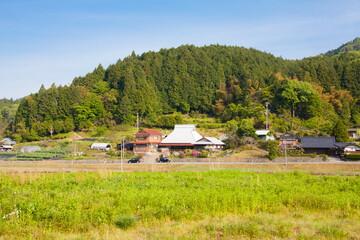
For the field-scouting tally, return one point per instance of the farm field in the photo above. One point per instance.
(168, 202)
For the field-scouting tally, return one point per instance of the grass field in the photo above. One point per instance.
(177, 204)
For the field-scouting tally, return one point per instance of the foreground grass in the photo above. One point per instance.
(179, 205)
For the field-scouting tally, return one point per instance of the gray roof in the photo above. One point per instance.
(183, 134)
(318, 142)
(209, 141)
(323, 142)
(345, 144)
(288, 135)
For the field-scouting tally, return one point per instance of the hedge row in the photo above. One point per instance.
(352, 156)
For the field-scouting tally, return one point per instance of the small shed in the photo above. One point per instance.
(29, 149)
(5, 148)
(101, 146)
(264, 135)
(354, 132)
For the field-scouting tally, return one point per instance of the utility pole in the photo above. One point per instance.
(285, 155)
(74, 151)
(266, 113)
(137, 122)
(122, 154)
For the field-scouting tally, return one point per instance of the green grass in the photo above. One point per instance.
(230, 203)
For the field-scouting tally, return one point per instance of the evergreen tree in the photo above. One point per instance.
(340, 132)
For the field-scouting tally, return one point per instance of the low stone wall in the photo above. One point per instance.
(299, 159)
(248, 160)
(177, 160)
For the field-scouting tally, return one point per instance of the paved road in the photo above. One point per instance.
(246, 163)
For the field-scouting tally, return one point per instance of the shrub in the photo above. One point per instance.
(352, 156)
(182, 155)
(272, 156)
(204, 154)
(125, 222)
(188, 152)
(324, 156)
(195, 153)
(273, 148)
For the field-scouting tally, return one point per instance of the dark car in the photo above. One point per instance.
(134, 160)
(164, 159)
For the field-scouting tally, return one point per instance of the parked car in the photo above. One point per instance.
(134, 160)
(164, 159)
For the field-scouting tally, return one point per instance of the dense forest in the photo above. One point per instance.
(8, 109)
(232, 84)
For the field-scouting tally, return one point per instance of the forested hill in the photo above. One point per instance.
(224, 81)
(353, 45)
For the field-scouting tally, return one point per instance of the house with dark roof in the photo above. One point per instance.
(147, 140)
(319, 145)
(326, 145)
(289, 140)
(348, 148)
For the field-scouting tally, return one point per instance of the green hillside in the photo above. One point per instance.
(226, 82)
(353, 45)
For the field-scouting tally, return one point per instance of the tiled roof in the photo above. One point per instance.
(318, 142)
(344, 144)
(209, 141)
(288, 135)
(149, 132)
(184, 134)
(145, 142)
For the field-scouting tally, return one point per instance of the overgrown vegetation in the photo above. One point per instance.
(233, 204)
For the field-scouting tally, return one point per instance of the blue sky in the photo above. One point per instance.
(45, 42)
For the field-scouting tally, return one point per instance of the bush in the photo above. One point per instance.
(352, 157)
(324, 156)
(188, 152)
(195, 153)
(272, 156)
(125, 222)
(273, 148)
(204, 154)
(182, 155)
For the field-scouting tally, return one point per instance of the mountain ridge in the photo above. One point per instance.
(353, 45)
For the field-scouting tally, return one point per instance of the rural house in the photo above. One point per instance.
(289, 140)
(326, 145)
(186, 137)
(147, 140)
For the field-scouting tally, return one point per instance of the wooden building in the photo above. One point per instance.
(327, 145)
(147, 140)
